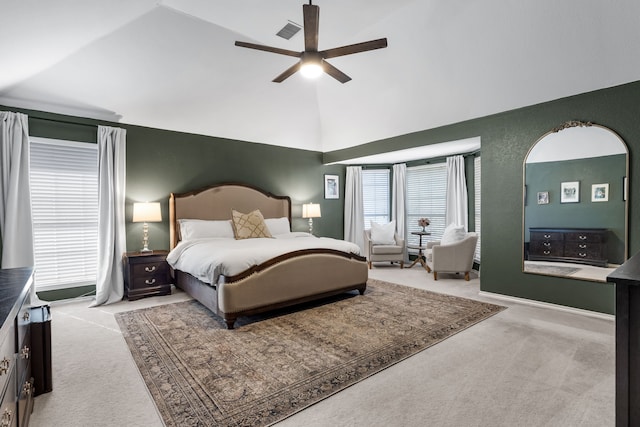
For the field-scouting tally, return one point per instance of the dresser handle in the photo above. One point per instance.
(547, 244)
(4, 366)
(581, 237)
(27, 388)
(582, 246)
(547, 236)
(25, 316)
(546, 252)
(24, 353)
(150, 281)
(7, 416)
(150, 269)
(582, 254)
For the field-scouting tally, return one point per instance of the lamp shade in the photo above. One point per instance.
(147, 212)
(311, 210)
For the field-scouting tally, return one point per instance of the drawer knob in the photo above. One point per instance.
(150, 281)
(546, 252)
(581, 254)
(25, 316)
(7, 416)
(582, 237)
(582, 246)
(547, 236)
(5, 364)
(24, 353)
(27, 388)
(150, 269)
(547, 244)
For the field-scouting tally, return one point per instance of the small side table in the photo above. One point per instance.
(421, 258)
(146, 274)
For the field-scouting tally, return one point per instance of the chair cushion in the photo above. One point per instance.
(383, 234)
(452, 234)
(386, 249)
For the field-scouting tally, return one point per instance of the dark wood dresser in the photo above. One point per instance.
(16, 381)
(146, 274)
(578, 245)
(627, 281)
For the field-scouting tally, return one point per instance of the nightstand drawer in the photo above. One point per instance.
(146, 274)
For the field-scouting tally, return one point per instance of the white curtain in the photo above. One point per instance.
(398, 199)
(456, 210)
(111, 225)
(353, 207)
(16, 225)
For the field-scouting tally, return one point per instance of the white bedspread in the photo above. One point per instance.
(207, 259)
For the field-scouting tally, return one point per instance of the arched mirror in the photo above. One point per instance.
(575, 203)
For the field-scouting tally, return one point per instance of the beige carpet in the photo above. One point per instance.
(201, 374)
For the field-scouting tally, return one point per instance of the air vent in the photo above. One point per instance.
(289, 30)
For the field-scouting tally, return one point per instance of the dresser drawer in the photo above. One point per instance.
(585, 237)
(546, 248)
(546, 236)
(583, 250)
(8, 407)
(8, 361)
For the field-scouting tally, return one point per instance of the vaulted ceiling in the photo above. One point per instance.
(172, 64)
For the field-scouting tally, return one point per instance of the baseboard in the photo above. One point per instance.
(558, 307)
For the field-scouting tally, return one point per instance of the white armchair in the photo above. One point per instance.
(453, 258)
(377, 253)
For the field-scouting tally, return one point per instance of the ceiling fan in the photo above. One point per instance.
(312, 63)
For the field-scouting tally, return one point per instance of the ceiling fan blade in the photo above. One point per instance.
(269, 49)
(335, 73)
(354, 48)
(311, 15)
(288, 72)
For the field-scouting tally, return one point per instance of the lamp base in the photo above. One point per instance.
(146, 251)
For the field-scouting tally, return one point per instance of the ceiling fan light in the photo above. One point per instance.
(311, 70)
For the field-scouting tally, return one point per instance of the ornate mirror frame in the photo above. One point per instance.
(575, 202)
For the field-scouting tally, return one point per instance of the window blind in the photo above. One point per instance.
(64, 197)
(426, 198)
(375, 196)
(476, 173)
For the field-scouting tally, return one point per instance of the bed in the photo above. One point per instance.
(302, 273)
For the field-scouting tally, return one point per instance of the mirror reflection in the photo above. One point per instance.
(575, 203)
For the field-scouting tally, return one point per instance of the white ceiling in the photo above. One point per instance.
(172, 64)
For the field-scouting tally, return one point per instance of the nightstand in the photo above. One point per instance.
(146, 274)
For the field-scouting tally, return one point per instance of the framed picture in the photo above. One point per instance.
(600, 193)
(570, 192)
(543, 197)
(331, 187)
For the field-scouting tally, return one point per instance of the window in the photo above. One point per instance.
(375, 196)
(476, 207)
(426, 198)
(64, 192)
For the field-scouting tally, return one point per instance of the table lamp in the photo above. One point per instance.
(311, 210)
(146, 212)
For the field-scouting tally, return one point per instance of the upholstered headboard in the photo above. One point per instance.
(215, 203)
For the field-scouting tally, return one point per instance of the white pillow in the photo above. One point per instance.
(383, 234)
(278, 225)
(452, 234)
(198, 228)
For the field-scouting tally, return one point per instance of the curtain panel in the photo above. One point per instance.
(398, 200)
(353, 207)
(111, 224)
(16, 225)
(456, 210)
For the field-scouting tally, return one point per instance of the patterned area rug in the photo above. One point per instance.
(201, 374)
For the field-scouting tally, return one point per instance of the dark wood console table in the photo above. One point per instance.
(627, 281)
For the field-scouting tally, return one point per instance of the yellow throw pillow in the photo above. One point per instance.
(249, 226)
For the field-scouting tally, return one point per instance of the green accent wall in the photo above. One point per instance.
(159, 162)
(547, 176)
(506, 139)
